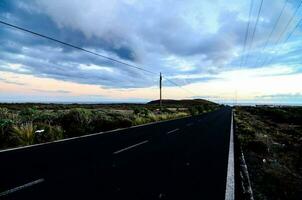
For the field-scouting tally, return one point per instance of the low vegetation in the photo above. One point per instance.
(26, 124)
(271, 139)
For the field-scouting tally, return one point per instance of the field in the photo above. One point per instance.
(271, 139)
(27, 124)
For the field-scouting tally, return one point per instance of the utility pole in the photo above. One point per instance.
(236, 98)
(160, 96)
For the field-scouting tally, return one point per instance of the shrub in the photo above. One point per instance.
(141, 111)
(152, 117)
(166, 110)
(28, 114)
(48, 133)
(47, 117)
(140, 120)
(4, 113)
(5, 126)
(102, 122)
(76, 122)
(136, 110)
(122, 122)
(193, 111)
(108, 121)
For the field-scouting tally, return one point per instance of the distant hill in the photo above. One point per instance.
(183, 102)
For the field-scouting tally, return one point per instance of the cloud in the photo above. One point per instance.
(12, 82)
(52, 91)
(147, 26)
(281, 98)
(190, 42)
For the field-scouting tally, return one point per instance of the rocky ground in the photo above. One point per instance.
(271, 139)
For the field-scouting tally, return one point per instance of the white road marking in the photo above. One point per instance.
(21, 187)
(173, 131)
(189, 124)
(130, 147)
(230, 183)
(161, 195)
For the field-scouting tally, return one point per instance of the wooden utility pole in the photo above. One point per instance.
(160, 85)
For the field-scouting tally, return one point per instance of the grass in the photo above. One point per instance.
(138, 120)
(24, 133)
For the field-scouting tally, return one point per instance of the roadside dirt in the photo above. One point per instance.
(271, 139)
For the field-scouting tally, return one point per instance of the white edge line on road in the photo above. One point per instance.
(230, 183)
(130, 147)
(172, 131)
(21, 187)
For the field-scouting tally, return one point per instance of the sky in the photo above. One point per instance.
(202, 46)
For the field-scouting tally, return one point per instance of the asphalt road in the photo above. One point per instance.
(178, 159)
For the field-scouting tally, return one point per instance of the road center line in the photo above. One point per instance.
(7, 192)
(172, 131)
(130, 147)
(189, 124)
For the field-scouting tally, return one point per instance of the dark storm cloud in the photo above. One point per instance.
(43, 58)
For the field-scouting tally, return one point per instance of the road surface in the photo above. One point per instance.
(178, 159)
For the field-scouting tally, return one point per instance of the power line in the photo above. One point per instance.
(255, 28)
(247, 31)
(282, 33)
(291, 33)
(287, 38)
(289, 22)
(256, 24)
(90, 52)
(273, 29)
(76, 47)
(172, 82)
